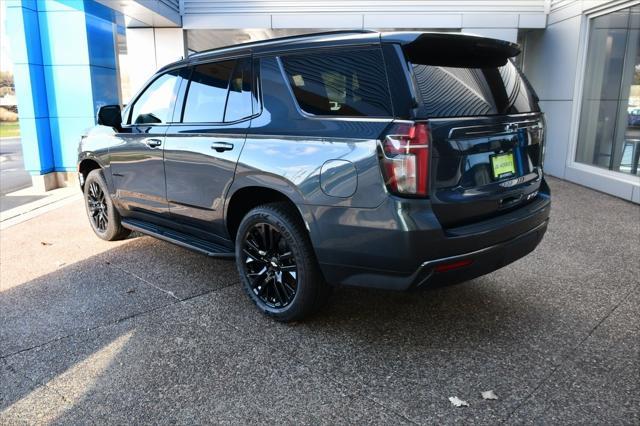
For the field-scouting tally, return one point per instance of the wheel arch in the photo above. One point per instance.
(86, 166)
(247, 197)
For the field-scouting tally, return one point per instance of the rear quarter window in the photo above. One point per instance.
(463, 92)
(349, 83)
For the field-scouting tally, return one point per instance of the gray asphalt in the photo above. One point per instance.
(13, 177)
(145, 332)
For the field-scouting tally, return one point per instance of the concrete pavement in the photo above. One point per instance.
(144, 331)
(13, 177)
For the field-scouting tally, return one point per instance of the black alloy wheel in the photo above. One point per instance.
(277, 264)
(103, 216)
(97, 206)
(270, 265)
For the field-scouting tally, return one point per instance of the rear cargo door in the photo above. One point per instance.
(486, 129)
(482, 167)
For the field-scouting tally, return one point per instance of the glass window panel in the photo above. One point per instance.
(155, 105)
(609, 133)
(340, 83)
(207, 93)
(239, 101)
(460, 92)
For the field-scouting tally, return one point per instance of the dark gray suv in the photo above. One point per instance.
(387, 160)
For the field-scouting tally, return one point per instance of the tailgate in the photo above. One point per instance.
(483, 166)
(486, 128)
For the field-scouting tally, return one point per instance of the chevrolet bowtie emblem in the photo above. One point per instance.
(511, 127)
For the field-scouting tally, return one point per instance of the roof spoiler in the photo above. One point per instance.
(454, 49)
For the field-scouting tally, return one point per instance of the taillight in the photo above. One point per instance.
(404, 158)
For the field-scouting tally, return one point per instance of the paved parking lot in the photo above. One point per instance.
(144, 331)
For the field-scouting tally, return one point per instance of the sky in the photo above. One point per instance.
(5, 55)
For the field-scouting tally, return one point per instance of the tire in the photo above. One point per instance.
(103, 216)
(287, 262)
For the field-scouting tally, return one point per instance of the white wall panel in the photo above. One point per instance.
(196, 22)
(431, 14)
(509, 34)
(538, 20)
(398, 20)
(609, 184)
(359, 6)
(635, 197)
(316, 20)
(170, 45)
(566, 10)
(489, 20)
(558, 117)
(149, 49)
(551, 58)
(141, 56)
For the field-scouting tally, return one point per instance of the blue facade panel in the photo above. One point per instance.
(64, 38)
(60, 5)
(69, 90)
(25, 45)
(22, 20)
(104, 82)
(30, 87)
(65, 135)
(35, 135)
(66, 67)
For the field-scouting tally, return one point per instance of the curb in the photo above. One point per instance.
(36, 208)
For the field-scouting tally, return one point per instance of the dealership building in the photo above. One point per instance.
(582, 57)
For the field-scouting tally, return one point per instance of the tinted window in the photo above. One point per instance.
(155, 105)
(207, 93)
(340, 83)
(239, 99)
(458, 92)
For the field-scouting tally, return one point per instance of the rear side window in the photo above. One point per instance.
(219, 91)
(207, 93)
(239, 99)
(462, 92)
(349, 83)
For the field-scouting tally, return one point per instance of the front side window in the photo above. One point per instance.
(155, 105)
(207, 93)
(340, 83)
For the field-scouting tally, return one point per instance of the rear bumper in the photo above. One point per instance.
(477, 263)
(401, 245)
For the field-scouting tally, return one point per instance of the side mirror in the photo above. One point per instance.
(110, 115)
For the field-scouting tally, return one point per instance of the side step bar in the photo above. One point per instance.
(178, 238)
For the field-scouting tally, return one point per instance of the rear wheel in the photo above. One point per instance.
(277, 265)
(103, 217)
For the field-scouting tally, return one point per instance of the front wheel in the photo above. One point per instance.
(103, 216)
(277, 265)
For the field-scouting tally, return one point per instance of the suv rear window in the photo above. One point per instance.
(462, 92)
(340, 83)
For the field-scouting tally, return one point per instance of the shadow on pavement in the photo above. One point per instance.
(115, 340)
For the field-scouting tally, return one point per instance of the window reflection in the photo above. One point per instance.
(155, 105)
(207, 93)
(609, 133)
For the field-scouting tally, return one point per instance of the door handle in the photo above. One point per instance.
(152, 142)
(222, 146)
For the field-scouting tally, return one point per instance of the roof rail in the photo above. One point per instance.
(278, 39)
